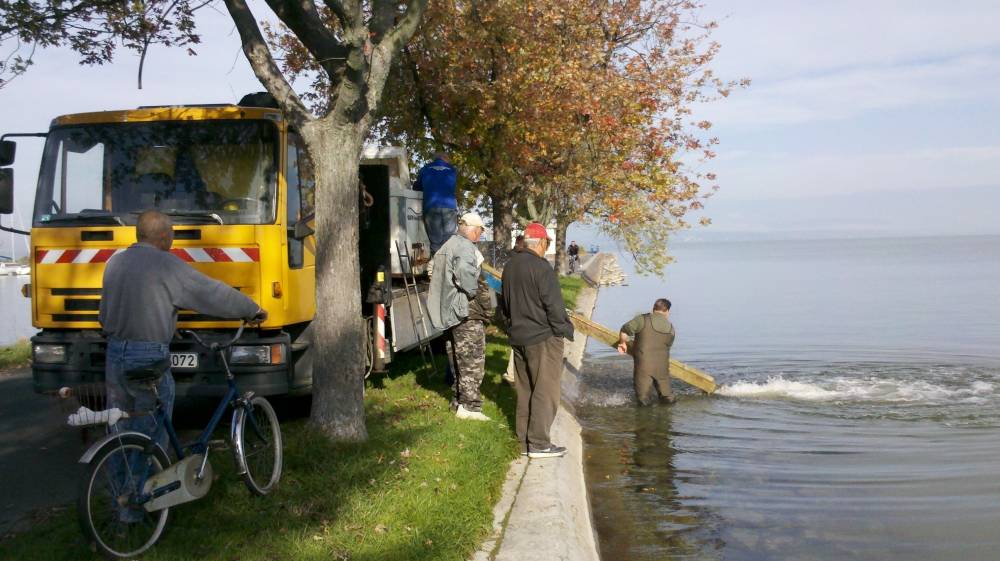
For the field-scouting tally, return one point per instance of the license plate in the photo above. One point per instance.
(184, 360)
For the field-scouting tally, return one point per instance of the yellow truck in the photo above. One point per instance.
(239, 187)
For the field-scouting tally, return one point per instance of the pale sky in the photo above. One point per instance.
(863, 117)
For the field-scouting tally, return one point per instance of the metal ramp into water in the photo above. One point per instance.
(687, 374)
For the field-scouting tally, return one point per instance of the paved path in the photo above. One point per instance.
(38, 453)
(544, 513)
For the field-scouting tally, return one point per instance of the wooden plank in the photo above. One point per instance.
(687, 374)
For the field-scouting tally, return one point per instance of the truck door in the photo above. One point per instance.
(300, 294)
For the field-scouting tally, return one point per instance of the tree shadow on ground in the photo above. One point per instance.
(493, 388)
(321, 483)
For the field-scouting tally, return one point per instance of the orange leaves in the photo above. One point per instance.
(589, 106)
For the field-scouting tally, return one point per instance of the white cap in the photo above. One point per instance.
(471, 219)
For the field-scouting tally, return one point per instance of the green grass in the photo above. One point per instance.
(571, 287)
(422, 487)
(15, 355)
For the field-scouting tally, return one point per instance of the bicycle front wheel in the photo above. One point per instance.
(109, 517)
(259, 446)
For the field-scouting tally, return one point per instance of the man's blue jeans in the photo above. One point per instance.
(135, 398)
(440, 224)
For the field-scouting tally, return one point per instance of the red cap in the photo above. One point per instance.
(536, 231)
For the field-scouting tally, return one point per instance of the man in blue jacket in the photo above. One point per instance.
(437, 181)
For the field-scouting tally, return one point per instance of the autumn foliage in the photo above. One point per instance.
(565, 109)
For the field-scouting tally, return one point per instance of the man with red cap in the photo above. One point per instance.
(538, 323)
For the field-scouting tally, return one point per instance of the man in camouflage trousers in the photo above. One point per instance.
(460, 302)
(467, 352)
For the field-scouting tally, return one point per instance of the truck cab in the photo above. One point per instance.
(239, 187)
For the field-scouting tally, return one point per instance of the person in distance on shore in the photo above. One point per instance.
(653, 336)
(536, 315)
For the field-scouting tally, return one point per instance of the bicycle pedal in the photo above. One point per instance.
(218, 444)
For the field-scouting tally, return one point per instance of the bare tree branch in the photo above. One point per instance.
(302, 17)
(263, 64)
(401, 33)
(383, 18)
(347, 11)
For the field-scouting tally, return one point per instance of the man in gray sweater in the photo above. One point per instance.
(144, 287)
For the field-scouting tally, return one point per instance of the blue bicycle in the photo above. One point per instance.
(129, 483)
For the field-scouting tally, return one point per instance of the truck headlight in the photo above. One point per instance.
(49, 354)
(258, 354)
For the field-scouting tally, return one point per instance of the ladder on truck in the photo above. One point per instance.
(417, 316)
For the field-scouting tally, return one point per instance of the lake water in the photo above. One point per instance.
(15, 310)
(858, 415)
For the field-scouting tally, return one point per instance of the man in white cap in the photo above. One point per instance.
(460, 302)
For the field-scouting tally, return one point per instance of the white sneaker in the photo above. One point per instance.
(463, 413)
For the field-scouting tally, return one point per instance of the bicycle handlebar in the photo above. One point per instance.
(215, 345)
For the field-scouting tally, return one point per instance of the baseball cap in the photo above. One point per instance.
(536, 231)
(471, 219)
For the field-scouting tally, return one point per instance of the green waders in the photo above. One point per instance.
(652, 363)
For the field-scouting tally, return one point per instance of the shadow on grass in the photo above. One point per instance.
(421, 488)
(493, 388)
(323, 485)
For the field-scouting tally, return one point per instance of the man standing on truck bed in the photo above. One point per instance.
(654, 335)
(538, 323)
(143, 288)
(437, 181)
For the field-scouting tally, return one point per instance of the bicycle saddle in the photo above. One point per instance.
(148, 373)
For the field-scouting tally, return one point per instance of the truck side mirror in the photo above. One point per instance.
(6, 190)
(302, 230)
(7, 150)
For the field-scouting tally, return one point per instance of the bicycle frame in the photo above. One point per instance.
(201, 444)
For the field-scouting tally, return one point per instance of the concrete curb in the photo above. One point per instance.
(544, 511)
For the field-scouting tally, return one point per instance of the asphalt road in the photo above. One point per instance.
(38, 453)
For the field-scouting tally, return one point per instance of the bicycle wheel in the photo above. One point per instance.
(259, 445)
(118, 528)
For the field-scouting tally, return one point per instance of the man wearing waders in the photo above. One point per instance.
(650, 350)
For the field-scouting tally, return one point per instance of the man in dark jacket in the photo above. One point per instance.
(650, 350)
(533, 305)
(437, 180)
(143, 289)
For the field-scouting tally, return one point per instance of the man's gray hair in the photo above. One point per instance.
(534, 242)
(152, 226)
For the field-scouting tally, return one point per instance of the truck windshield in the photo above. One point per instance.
(204, 172)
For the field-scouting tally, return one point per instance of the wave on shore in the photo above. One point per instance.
(868, 389)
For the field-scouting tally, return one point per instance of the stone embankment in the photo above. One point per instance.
(544, 512)
(602, 269)
(611, 273)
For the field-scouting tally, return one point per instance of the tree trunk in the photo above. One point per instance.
(503, 224)
(338, 371)
(561, 227)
